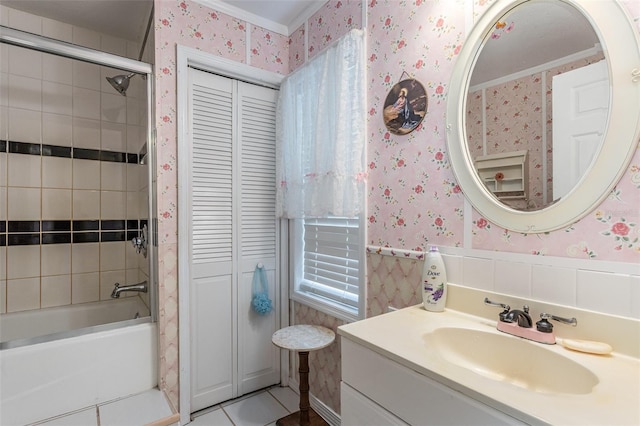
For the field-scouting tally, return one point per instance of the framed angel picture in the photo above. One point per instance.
(405, 106)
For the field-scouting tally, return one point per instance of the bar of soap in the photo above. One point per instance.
(587, 346)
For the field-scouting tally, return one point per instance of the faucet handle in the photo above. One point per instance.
(502, 315)
(496, 304)
(569, 321)
(545, 326)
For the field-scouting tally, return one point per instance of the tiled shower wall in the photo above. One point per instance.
(71, 190)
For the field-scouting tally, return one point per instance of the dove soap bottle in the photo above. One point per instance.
(434, 281)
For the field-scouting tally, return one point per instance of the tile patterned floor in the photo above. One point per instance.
(257, 409)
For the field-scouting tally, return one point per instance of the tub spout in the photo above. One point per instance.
(140, 287)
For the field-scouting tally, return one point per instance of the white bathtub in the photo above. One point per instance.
(17, 326)
(72, 370)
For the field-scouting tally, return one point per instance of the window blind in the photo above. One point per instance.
(331, 260)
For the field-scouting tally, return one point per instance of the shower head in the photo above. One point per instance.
(120, 82)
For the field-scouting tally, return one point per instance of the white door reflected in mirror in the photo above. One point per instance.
(580, 111)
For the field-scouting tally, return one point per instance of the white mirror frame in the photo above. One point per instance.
(621, 47)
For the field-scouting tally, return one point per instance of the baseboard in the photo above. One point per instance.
(320, 407)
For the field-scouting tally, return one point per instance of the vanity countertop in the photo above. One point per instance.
(400, 336)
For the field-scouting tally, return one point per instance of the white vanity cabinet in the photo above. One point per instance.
(377, 390)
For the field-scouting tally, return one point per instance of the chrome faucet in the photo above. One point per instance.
(140, 287)
(518, 323)
(522, 317)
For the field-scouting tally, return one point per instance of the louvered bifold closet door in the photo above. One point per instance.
(234, 228)
(212, 293)
(259, 358)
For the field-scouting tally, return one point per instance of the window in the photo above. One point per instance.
(328, 259)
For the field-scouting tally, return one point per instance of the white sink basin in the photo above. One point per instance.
(512, 360)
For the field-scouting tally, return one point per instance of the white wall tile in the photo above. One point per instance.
(113, 176)
(86, 174)
(24, 170)
(86, 38)
(135, 139)
(86, 133)
(112, 205)
(25, 125)
(132, 258)
(57, 129)
(133, 205)
(4, 15)
(56, 259)
(133, 111)
(86, 103)
(4, 57)
(604, 292)
(23, 204)
(112, 256)
(3, 296)
(85, 257)
(56, 290)
(23, 262)
(133, 182)
(25, 62)
(4, 88)
(3, 263)
(513, 278)
(114, 108)
(23, 294)
(3, 172)
(56, 172)
(553, 284)
(25, 21)
(57, 30)
(57, 69)
(85, 288)
(478, 273)
(4, 122)
(114, 137)
(454, 268)
(57, 98)
(3, 212)
(114, 45)
(86, 204)
(86, 75)
(25, 93)
(107, 283)
(56, 204)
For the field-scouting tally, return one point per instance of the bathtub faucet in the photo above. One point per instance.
(140, 287)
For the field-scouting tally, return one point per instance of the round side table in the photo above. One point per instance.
(303, 339)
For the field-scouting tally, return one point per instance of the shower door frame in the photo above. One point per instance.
(43, 44)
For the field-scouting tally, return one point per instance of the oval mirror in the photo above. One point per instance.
(534, 108)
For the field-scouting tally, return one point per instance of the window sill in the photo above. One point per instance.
(340, 313)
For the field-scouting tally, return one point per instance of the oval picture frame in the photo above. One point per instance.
(405, 106)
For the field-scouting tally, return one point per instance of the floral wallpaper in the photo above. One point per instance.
(414, 199)
(331, 22)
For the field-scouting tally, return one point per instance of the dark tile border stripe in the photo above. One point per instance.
(23, 239)
(14, 147)
(26, 232)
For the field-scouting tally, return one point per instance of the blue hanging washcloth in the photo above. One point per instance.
(260, 301)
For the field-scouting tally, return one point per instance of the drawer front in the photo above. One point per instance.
(409, 395)
(358, 410)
